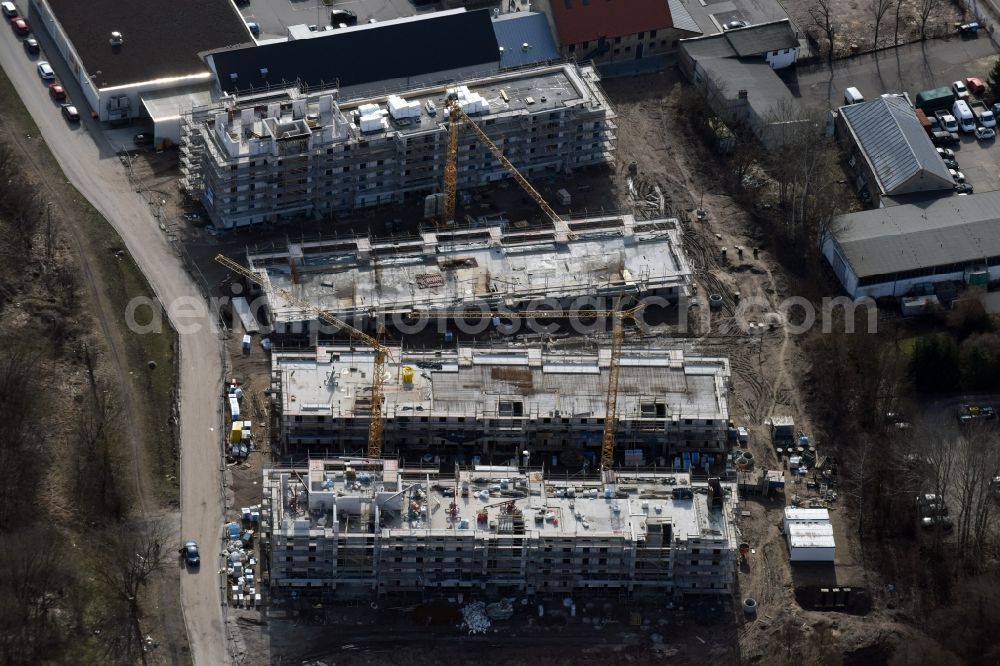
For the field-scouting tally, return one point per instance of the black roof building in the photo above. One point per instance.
(408, 51)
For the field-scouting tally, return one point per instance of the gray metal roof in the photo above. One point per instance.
(518, 28)
(897, 147)
(681, 18)
(767, 94)
(761, 38)
(948, 230)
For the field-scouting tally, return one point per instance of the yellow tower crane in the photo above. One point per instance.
(618, 317)
(455, 113)
(381, 352)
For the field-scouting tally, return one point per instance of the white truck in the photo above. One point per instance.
(986, 117)
(963, 114)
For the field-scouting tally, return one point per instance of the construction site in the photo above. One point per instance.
(294, 153)
(494, 403)
(442, 467)
(338, 528)
(493, 269)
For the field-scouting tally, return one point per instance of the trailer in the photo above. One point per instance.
(935, 99)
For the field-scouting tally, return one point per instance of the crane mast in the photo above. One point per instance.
(455, 112)
(381, 352)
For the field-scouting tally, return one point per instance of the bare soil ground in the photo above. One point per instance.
(854, 20)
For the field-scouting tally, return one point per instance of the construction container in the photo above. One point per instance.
(408, 374)
(246, 344)
(930, 101)
(236, 434)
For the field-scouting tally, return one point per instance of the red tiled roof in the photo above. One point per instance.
(587, 20)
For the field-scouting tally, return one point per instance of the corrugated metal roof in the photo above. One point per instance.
(949, 230)
(761, 38)
(681, 18)
(897, 147)
(518, 28)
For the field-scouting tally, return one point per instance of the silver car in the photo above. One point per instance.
(45, 71)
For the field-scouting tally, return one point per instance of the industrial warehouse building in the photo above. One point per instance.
(573, 263)
(493, 403)
(891, 251)
(275, 155)
(157, 60)
(889, 150)
(340, 528)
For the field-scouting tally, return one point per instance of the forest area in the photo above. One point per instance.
(79, 548)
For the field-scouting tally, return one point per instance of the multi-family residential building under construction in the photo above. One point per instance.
(276, 155)
(340, 528)
(489, 404)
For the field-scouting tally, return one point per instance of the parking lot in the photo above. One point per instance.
(910, 69)
(274, 16)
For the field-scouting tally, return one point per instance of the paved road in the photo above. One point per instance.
(92, 166)
(909, 68)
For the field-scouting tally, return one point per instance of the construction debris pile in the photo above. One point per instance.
(241, 563)
(474, 617)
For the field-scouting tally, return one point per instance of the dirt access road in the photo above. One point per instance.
(91, 165)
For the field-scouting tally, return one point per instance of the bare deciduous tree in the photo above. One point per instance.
(131, 554)
(878, 9)
(924, 11)
(822, 16)
(895, 31)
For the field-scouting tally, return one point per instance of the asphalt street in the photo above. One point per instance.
(911, 68)
(91, 165)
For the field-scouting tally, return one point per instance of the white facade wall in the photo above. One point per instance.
(893, 288)
(68, 53)
(781, 58)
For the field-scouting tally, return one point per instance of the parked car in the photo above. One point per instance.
(343, 17)
(963, 188)
(970, 29)
(960, 89)
(946, 153)
(31, 46)
(20, 26)
(734, 25)
(945, 522)
(951, 164)
(190, 553)
(985, 133)
(975, 412)
(944, 138)
(947, 120)
(957, 176)
(57, 92)
(254, 28)
(45, 71)
(70, 113)
(975, 85)
(142, 139)
(9, 10)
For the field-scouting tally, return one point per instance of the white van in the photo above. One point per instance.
(853, 96)
(963, 114)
